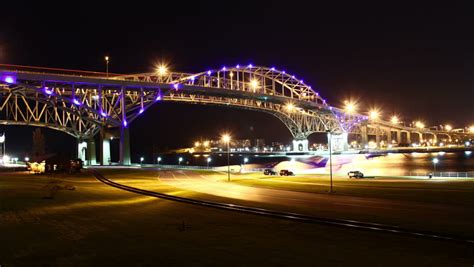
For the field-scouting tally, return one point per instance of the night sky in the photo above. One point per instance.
(415, 60)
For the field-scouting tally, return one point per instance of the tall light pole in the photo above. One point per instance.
(141, 160)
(226, 139)
(158, 160)
(107, 65)
(208, 161)
(330, 157)
(435, 161)
(179, 160)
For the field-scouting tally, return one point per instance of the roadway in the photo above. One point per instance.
(438, 217)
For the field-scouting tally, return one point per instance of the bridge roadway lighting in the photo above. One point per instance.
(290, 107)
(448, 127)
(394, 120)
(471, 129)
(107, 65)
(197, 143)
(374, 114)
(226, 138)
(419, 124)
(254, 84)
(350, 107)
(162, 70)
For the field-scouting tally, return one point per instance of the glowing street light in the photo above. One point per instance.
(419, 124)
(162, 70)
(205, 143)
(471, 129)
(197, 143)
(158, 160)
(226, 138)
(27, 159)
(208, 161)
(374, 114)
(394, 120)
(254, 84)
(141, 160)
(179, 160)
(448, 127)
(435, 161)
(290, 107)
(107, 65)
(350, 107)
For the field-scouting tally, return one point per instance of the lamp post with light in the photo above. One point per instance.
(330, 158)
(435, 161)
(226, 139)
(107, 65)
(208, 161)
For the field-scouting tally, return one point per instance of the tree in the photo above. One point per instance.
(38, 143)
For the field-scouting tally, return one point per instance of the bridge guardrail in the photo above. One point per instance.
(443, 174)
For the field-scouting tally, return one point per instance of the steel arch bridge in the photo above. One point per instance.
(80, 103)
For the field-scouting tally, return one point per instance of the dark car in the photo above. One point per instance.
(286, 173)
(355, 174)
(269, 172)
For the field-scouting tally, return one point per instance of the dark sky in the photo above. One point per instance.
(415, 60)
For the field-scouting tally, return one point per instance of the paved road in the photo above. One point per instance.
(437, 217)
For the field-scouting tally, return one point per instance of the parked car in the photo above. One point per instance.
(286, 173)
(269, 172)
(355, 174)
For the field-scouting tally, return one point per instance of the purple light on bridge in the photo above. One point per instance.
(283, 72)
(176, 86)
(330, 108)
(250, 66)
(192, 78)
(209, 72)
(158, 97)
(76, 102)
(103, 114)
(141, 110)
(293, 76)
(273, 69)
(301, 81)
(47, 91)
(224, 68)
(125, 123)
(238, 66)
(9, 79)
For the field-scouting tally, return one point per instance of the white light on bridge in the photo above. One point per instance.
(420, 125)
(448, 127)
(374, 114)
(394, 120)
(471, 129)
(254, 84)
(290, 107)
(350, 107)
(162, 70)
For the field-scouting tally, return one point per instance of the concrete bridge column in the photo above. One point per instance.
(377, 137)
(300, 145)
(408, 137)
(125, 146)
(104, 147)
(399, 136)
(82, 150)
(364, 137)
(389, 136)
(91, 157)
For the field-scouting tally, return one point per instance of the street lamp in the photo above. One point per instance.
(179, 160)
(245, 161)
(226, 139)
(435, 161)
(107, 65)
(158, 160)
(330, 157)
(141, 160)
(208, 161)
(27, 159)
(394, 119)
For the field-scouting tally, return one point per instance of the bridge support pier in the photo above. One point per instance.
(364, 137)
(124, 146)
(300, 145)
(86, 152)
(399, 136)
